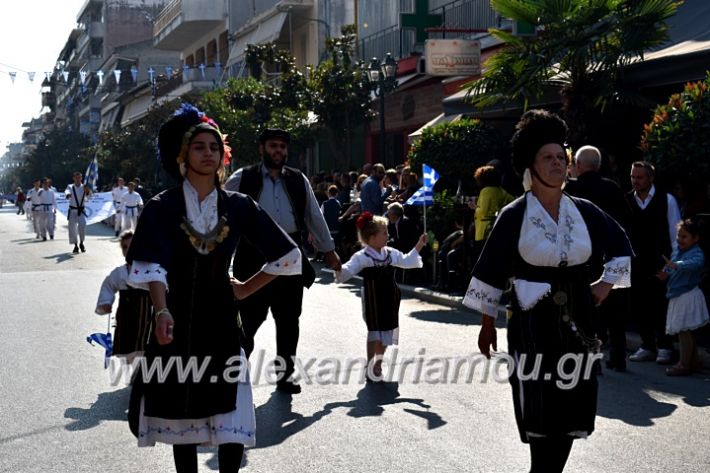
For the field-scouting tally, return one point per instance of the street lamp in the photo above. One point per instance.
(381, 77)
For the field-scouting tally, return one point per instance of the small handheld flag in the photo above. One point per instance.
(425, 195)
(104, 340)
(92, 174)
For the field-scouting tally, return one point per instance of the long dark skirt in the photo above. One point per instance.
(133, 322)
(562, 398)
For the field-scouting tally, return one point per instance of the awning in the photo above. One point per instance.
(109, 116)
(443, 118)
(136, 109)
(265, 32)
(685, 58)
(457, 103)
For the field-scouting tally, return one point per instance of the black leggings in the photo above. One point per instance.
(549, 454)
(228, 454)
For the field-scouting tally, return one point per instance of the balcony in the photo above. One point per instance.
(49, 99)
(460, 19)
(465, 18)
(96, 29)
(180, 23)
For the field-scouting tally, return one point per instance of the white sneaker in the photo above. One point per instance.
(643, 355)
(664, 356)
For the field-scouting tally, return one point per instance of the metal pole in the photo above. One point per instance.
(290, 31)
(383, 159)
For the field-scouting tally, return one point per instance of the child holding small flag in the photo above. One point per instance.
(133, 314)
(381, 295)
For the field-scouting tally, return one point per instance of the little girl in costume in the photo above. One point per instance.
(133, 313)
(380, 295)
(687, 309)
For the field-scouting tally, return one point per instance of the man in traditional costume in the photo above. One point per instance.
(286, 195)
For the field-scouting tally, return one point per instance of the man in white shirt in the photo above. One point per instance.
(33, 199)
(655, 215)
(117, 194)
(76, 194)
(47, 209)
(131, 204)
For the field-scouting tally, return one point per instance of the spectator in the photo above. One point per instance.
(345, 189)
(609, 197)
(331, 212)
(372, 196)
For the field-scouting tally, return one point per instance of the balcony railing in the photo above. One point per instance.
(394, 40)
(167, 15)
(180, 23)
(464, 17)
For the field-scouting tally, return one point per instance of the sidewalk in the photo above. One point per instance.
(633, 340)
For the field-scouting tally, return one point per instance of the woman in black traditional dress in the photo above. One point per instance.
(550, 244)
(181, 252)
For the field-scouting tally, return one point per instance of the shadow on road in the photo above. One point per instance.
(109, 406)
(636, 398)
(61, 257)
(372, 398)
(446, 316)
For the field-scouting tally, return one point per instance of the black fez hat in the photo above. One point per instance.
(535, 129)
(177, 132)
(274, 133)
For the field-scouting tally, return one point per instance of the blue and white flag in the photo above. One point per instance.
(104, 340)
(92, 174)
(425, 194)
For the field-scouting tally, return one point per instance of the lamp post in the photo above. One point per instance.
(381, 76)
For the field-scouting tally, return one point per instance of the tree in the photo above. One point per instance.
(456, 149)
(580, 47)
(244, 107)
(678, 138)
(341, 97)
(132, 151)
(58, 154)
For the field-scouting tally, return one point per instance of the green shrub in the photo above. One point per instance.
(677, 140)
(456, 149)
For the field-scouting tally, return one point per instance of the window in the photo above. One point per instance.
(200, 56)
(211, 53)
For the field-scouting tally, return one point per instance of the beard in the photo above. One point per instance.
(272, 163)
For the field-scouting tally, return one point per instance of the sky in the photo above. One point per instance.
(32, 33)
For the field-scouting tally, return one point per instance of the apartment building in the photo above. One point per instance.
(73, 93)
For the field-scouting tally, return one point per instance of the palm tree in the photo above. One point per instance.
(580, 48)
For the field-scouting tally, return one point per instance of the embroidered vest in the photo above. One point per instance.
(252, 184)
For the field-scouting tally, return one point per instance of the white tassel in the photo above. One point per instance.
(527, 180)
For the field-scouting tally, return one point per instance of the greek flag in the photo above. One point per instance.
(92, 174)
(104, 340)
(425, 194)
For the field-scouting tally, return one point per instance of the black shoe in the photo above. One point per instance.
(51, 237)
(76, 249)
(81, 246)
(619, 366)
(44, 238)
(117, 232)
(288, 387)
